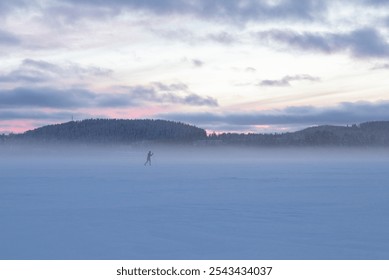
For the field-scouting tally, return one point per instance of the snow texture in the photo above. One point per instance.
(195, 203)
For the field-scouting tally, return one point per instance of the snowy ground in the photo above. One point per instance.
(194, 204)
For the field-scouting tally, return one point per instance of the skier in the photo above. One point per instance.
(149, 155)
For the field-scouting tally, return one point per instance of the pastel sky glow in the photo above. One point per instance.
(223, 65)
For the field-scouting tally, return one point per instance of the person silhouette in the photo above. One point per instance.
(149, 155)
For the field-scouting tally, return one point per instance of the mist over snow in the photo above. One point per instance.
(101, 202)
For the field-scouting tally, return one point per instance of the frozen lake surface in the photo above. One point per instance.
(194, 204)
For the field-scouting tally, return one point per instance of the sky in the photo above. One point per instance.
(224, 65)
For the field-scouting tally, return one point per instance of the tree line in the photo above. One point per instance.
(133, 131)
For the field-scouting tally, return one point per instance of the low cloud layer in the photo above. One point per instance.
(36, 115)
(50, 95)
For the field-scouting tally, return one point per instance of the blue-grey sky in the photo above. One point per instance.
(223, 65)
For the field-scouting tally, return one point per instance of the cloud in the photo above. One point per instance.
(250, 69)
(173, 93)
(341, 114)
(35, 71)
(383, 66)
(170, 87)
(224, 38)
(378, 3)
(68, 69)
(360, 43)
(52, 98)
(230, 10)
(45, 98)
(197, 63)
(285, 81)
(225, 11)
(7, 7)
(8, 39)
(193, 38)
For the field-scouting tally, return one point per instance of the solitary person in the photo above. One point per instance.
(149, 155)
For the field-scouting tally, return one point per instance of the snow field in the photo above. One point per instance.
(194, 203)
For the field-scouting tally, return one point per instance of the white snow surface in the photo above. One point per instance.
(193, 203)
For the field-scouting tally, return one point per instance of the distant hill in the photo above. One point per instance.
(365, 134)
(369, 133)
(114, 131)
